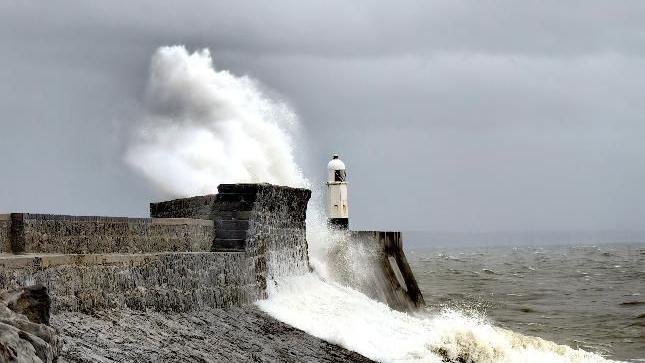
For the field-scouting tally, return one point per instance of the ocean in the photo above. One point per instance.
(590, 297)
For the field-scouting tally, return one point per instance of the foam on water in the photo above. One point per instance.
(325, 304)
(341, 315)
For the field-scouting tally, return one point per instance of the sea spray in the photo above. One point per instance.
(203, 127)
(327, 303)
(342, 315)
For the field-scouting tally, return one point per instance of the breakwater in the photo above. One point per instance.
(193, 256)
(179, 263)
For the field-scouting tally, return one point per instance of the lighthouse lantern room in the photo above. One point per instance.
(337, 204)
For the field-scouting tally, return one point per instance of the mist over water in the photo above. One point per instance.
(204, 126)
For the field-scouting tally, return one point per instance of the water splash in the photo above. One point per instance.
(327, 304)
(204, 127)
(341, 315)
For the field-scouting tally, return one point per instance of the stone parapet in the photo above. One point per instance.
(200, 207)
(48, 233)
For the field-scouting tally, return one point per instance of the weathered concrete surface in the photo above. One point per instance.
(47, 233)
(392, 273)
(200, 207)
(373, 262)
(209, 335)
(24, 335)
(160, 281)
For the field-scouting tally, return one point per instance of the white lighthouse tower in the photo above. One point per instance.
(337, 205)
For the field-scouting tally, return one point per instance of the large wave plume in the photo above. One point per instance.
(203, 127)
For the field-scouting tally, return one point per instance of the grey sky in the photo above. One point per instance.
(451, 115)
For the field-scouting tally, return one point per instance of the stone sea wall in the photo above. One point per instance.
(267, 223)
(177, 282)
(163, 264)
(48, 233)
(278, 228)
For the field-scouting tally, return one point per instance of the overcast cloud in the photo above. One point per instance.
(451, 115)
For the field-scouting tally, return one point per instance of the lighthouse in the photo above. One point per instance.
(337, 205)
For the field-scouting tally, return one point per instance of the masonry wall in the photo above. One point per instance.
(164, 264)
(268, 223)
(5, 230)
(160, 281)
(200, 207)
(47, 233)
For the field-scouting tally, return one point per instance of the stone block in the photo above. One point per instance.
(200, 207)
(224, 245)
(233, 206)
(224, 224)
(230, 234)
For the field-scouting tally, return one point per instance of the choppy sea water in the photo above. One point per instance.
(327, 303)
(587, 297)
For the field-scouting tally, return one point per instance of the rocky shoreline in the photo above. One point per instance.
(25, 334)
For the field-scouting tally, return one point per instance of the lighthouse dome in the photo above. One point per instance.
(336, 163)
(336, 170)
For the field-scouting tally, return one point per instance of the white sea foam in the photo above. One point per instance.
(348, 318)
(203, 127)
(325, 304)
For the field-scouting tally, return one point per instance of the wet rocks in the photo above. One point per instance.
(24, 335)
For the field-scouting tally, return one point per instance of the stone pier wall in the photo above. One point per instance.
(177, 282)
(254, 232)
(267, 222)
(48, 233)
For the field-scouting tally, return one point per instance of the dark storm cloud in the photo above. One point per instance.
(451, 115)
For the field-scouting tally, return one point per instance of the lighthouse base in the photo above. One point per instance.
(338, 223)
